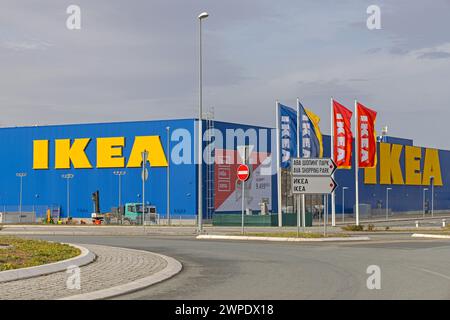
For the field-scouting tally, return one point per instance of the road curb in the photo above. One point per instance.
(173, 267)
(433, 236)
(83, 259)
(279, 239)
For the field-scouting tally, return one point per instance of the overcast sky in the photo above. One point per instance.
(136, 60)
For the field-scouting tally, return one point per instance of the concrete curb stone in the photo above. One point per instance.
(433, 236)
(173, 267)
(280, 239)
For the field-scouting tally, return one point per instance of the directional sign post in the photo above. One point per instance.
(313, 185)
(313, 167)
(313, 176)
(243, 173)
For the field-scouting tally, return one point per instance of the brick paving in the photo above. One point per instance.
(113, 267)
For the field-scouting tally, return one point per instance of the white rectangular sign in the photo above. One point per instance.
(323, 167)
(312, 185)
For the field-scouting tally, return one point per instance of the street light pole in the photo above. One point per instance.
(120, 174)
(144, 177)
(387, 203)
(423, 201)
(68, 176)
(20, 175)
(168, 177)
(202, 16)
(343, 202)
(432, 195)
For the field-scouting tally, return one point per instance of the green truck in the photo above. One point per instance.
(133, 214)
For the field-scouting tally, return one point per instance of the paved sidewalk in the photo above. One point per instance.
(113, 267)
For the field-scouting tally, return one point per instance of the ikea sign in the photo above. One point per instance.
(419, 165)
(109, 153)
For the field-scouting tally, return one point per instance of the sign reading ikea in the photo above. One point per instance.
(419, 166)
(109, 153)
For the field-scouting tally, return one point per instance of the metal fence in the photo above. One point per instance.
(28, 213)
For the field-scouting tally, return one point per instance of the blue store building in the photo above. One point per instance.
(42, 155)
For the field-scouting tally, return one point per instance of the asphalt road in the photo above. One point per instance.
(410, 269)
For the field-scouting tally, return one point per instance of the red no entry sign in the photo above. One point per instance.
(243, 172)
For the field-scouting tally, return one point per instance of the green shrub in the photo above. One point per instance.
(371, 227)
(353, 227)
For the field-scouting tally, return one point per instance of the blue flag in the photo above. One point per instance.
(288, 135)
(311, 145)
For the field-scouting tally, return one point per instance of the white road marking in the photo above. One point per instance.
(432, 272)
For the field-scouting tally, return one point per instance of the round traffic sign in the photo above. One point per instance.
(243, 172)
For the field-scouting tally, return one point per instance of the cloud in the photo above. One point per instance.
(25, 45)
(435, 55)
(139, 60)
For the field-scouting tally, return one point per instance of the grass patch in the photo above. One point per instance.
(293, 234)
(23, 253)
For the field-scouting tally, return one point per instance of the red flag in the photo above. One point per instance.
(342, 136)
(366, 137)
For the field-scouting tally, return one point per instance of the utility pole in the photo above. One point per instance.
(343, 202)
(120, 174)
(168, 177)
(423, 201)
(68, 176)
(144, 178)
(21, 175)
(387, 203)
(201, 17)
(432, 196)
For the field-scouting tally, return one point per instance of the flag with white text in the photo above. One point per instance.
(367, 146)
(342, 136)
(288, 135)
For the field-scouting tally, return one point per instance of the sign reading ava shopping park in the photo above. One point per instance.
(313, 167)
(313, 176)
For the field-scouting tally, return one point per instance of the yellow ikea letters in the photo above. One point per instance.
(390, 168)
(109, 153)
(66, 154)
(152, 144)
(40, 154)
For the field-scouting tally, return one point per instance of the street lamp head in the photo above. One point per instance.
(203, 15)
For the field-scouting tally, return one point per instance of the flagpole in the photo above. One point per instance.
(280, 215)
(333, 199)
(298, 155)
(356, 165)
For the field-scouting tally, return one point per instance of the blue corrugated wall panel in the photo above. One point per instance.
(44, 187)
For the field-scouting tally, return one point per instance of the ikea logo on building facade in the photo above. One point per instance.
(109, 153)
(419, 166)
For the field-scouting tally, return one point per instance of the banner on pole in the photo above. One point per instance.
(311, 145)
(367, 152)
(288, 135)
(342, 136)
